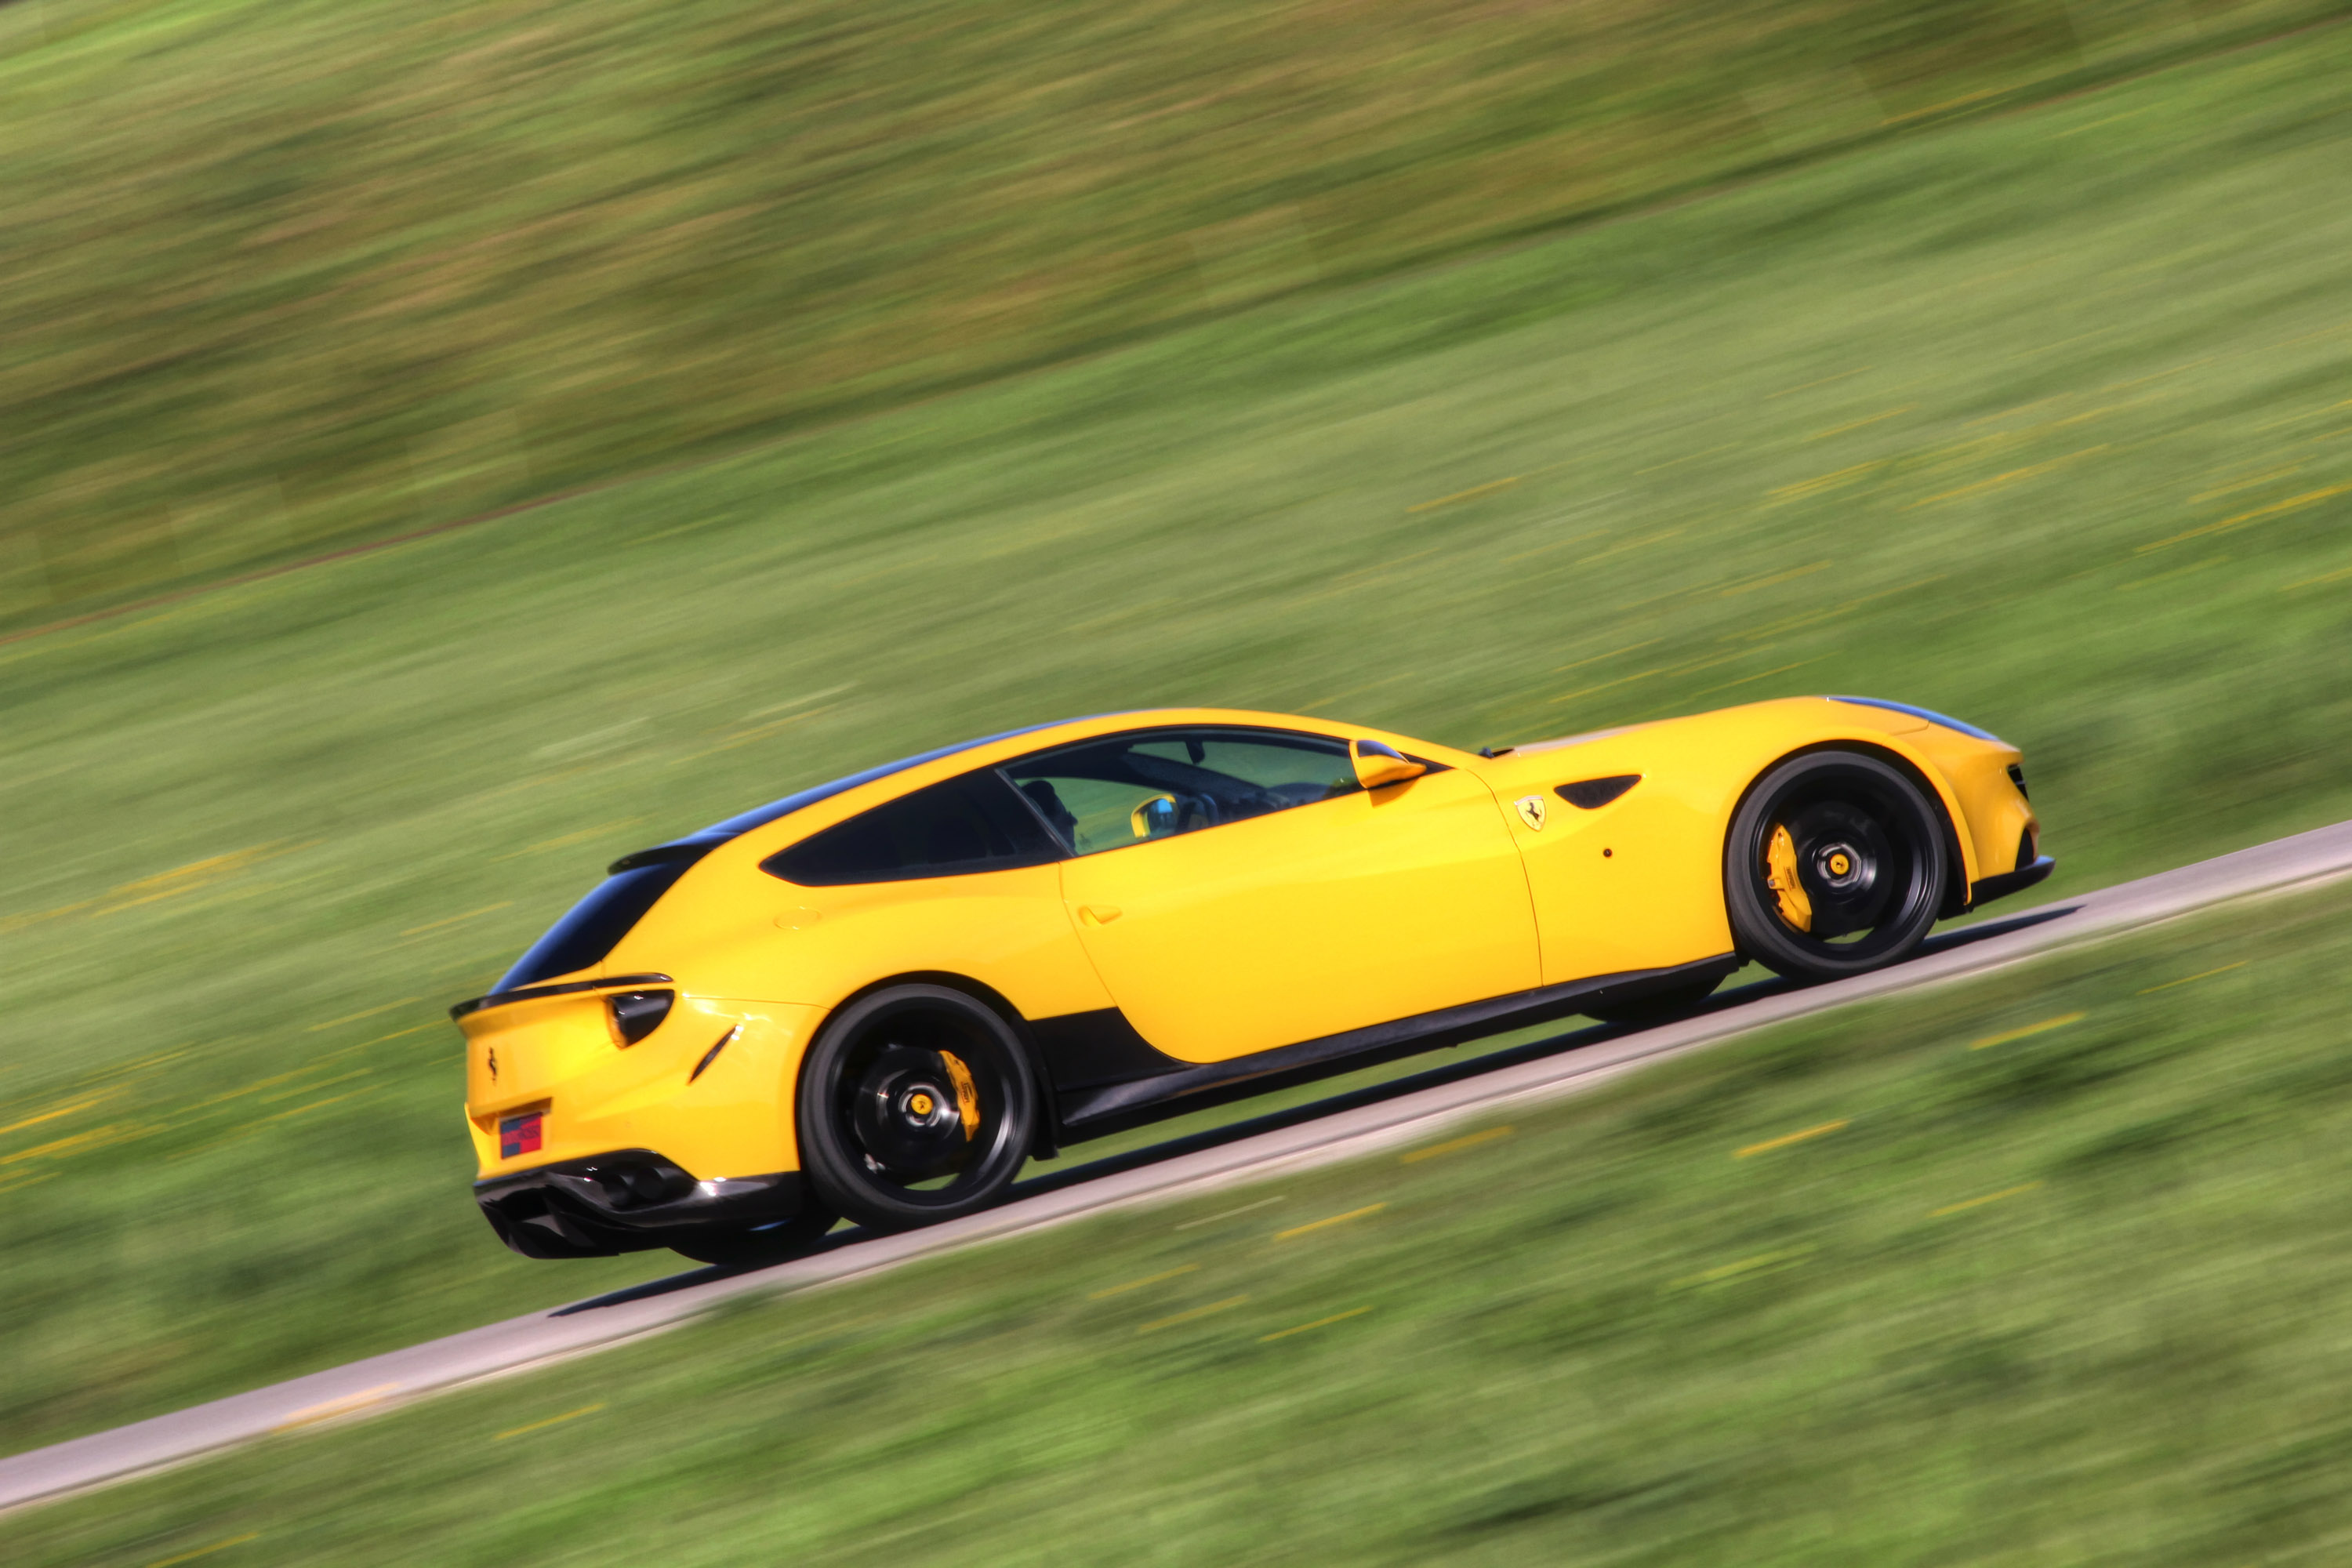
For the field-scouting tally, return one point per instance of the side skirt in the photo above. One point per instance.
(1107, 1078)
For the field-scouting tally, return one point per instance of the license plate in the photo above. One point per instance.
(520, 1135)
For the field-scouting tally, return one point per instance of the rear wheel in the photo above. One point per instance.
(1835, 866)
(915, 1105)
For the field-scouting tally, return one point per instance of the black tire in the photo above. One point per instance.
(1658, 1008)
(735, 1247)
(1867, 849)
(888, 1135)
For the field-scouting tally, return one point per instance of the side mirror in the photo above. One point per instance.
(1378, 766)
(1155, 818)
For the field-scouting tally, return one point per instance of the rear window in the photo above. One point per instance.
(760, 817)
(975, 823)
(598, 923)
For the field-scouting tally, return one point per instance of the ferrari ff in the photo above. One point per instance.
(877, 999)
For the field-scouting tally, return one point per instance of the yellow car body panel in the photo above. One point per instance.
(1479, 879)
(1637, 883)
(758, 937)
(1320, 918)
(559, 1056)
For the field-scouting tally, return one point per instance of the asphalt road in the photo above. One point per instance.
(1402, 1112)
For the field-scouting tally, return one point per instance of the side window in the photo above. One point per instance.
(1105, 794)
(952, 829)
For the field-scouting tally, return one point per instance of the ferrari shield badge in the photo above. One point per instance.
(1531, 811)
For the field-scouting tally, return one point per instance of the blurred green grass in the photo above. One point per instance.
(2041, 1267)
(290, 274)
(2040, 420)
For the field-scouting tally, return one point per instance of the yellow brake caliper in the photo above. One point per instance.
(967, 1093)
(1780, 859)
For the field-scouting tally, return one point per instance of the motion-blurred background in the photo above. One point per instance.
(446, 444)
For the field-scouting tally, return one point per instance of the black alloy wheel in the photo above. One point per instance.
(1835, 864)
(916, 1105)
(738, 1246)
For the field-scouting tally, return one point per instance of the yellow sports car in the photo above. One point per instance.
(879, 997)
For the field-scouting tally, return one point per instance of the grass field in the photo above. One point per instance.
(2045, 1267)
(288, 273)
(2043, 420)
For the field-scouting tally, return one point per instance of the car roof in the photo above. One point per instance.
(1044, 734)
(760, 815)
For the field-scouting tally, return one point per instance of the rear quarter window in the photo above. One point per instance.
(975, 823)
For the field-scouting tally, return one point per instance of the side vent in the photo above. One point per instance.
(2017, 777)
(1592, 795)
(712, 1054)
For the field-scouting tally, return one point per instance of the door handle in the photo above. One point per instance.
(1098, 914)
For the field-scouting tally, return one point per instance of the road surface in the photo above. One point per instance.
(1403, 1111)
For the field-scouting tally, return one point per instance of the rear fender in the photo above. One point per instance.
(1048, 1140)
(704, 1088)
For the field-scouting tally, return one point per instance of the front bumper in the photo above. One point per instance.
(631, 1199)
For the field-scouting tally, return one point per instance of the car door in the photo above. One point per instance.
(1237, 889)
(1626, 871)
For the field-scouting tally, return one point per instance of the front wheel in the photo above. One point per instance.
(1835, 866)
(915, 1105)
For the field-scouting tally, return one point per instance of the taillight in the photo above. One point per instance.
(637, 1013)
